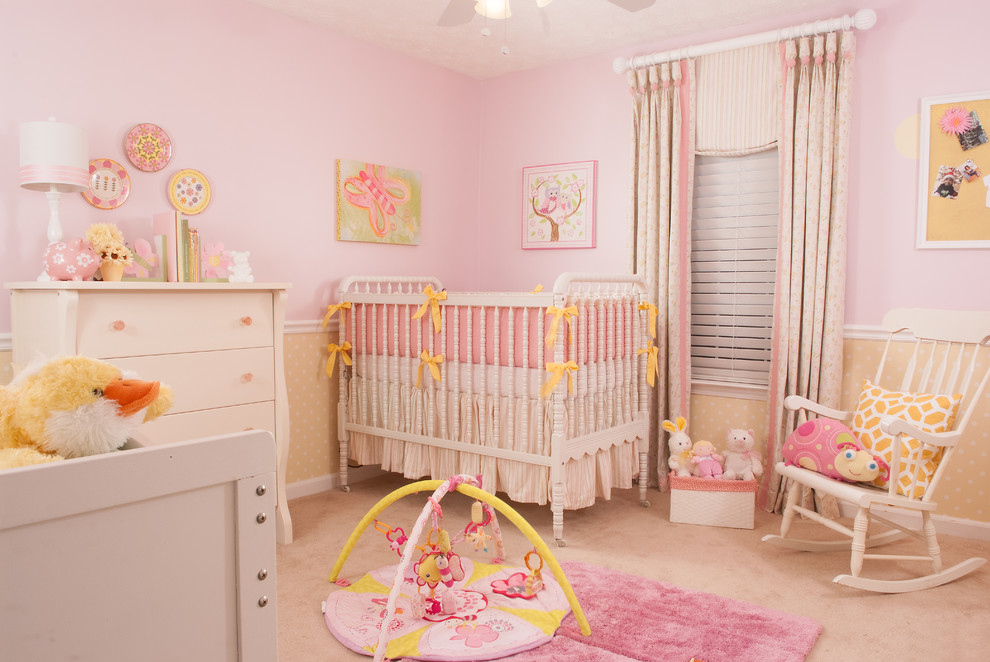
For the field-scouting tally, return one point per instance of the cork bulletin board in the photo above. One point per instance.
(954, 178)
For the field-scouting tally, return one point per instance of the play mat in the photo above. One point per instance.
(439, 604)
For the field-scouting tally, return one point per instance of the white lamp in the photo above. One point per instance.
(54, 159)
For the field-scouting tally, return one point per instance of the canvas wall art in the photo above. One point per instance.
(378, 204)
(559, 205)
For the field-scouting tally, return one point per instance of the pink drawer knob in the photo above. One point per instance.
(247, 321)
(246, 377)
(118, 325)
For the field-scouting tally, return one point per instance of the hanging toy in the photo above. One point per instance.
(475, 529)
(534, 583)
(477, 512)
(396, 543)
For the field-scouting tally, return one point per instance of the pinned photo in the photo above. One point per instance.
(970, 170)
(974, 136)
(947, 182)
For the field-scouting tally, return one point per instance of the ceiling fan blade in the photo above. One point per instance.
(633, 5)
(458, 12)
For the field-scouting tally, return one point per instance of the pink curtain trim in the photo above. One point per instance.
(778, 337)
(684, 229)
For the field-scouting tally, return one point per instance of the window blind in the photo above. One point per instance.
(733, 264)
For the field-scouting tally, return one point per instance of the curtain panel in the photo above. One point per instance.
(661, 189)
(809, 307)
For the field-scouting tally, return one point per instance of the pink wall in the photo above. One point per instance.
(580, 111)
(263, 104)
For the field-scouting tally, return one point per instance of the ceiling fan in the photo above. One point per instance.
(459, 12)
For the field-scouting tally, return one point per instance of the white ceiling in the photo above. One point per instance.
(535, 37)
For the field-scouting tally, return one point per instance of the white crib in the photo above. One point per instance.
(451, 384)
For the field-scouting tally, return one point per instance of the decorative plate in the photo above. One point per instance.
(109, 184)
(148, 147)
(189, 191)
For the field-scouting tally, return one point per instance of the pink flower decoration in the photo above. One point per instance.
(955, 121)
(216, 260)
(474, 637)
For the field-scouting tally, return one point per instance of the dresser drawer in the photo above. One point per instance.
(197, 424)
(206, 380)
(110, 325)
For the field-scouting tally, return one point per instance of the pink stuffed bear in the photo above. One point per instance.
(741, 461)
(706, 460)
(829, 447)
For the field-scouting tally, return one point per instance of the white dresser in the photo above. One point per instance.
(219, 346)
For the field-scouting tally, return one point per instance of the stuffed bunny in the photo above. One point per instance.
(680, 447)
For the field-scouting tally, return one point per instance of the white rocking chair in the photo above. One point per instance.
(946, 359)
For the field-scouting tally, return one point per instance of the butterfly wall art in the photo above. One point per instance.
(377, 203)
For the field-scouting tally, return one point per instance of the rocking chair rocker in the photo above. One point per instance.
(949, 357)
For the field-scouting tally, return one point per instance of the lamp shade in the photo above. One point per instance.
(54, 156)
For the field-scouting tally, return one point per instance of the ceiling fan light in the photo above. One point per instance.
(493, 8)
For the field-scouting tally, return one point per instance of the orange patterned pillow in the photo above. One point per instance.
(926, 411)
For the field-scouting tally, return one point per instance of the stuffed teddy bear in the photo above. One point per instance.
(73, 406)
(827, 446)
(679, 445)
(741, 461)
(705, 460)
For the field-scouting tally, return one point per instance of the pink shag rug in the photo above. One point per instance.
(633, 618)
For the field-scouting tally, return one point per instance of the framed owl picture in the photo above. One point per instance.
(559, 205)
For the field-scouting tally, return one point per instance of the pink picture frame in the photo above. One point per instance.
(559, 205)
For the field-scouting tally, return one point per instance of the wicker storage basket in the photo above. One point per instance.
(712, 502)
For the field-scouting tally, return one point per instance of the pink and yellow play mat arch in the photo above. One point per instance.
(445, 605)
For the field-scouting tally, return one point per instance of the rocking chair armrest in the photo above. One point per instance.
(895, 426)
(796, 402)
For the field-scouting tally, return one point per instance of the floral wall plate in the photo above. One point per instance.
(109, 184)
(189, 191)
(148, 147)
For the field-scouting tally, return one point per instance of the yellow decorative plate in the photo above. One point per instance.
(189, 191)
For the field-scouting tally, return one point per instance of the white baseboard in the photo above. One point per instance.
(330, 482)
(944, 524)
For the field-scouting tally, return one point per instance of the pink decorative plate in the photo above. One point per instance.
(109, 184)
(189, 191)
(148, 147)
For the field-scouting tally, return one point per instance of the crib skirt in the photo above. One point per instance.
(470, 419)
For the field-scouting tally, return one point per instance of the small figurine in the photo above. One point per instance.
(240, 270)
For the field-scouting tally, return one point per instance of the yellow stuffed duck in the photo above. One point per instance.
(73, 406)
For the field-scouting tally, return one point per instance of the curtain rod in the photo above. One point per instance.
(864, 19)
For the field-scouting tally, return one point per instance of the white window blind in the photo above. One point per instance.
(733, 263)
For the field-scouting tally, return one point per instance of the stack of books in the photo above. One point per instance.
(181, 261)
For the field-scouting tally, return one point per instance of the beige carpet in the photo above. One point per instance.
(951, 622)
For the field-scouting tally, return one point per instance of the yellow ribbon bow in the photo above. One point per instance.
(558, 313)
(334, 350)
(652, 363)
(331, 309)
(643, 305)
(432, 361)
(558, 372)
(433, 300)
